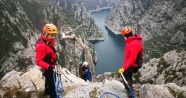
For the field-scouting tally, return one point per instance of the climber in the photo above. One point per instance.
(46, 57)
(133, 55)
(84, 72)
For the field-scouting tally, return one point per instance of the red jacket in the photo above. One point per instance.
(132, 48)
(45, 55)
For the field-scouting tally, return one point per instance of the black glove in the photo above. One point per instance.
(50, 69)
(48, 72)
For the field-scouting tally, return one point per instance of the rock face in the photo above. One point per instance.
(169, 68)
(79, 13)
(169, 90)
(32, 80)
(127, 12)
(161, 23)
(21, 24)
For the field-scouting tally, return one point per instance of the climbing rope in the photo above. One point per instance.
(55, 84)
(59, 85)
(110, 94)
(70, 80)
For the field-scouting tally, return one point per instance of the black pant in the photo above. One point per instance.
(128, 76)
(49, 84)
(84, 77)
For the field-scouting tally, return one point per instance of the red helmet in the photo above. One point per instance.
(126, 30)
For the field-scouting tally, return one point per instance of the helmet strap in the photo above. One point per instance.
(45, 34)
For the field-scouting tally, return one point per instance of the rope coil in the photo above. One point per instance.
(110, 94)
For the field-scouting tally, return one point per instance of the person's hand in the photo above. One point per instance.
(121, 70)
(50, 69)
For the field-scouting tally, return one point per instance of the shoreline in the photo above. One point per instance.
(96, 39)
(99, 9)
(115, 32)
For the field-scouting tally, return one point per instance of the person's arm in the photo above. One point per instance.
(40, 55)
(134, 50)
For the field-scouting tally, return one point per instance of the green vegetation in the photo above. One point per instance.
(18, 93)
(162, 65)
(171, 76)
(157, 46)
(69, 88)
(147, 81)
(68, 20)
(10, 36)
(34, 12)
(179, 6)
(181, 28)
(137, 76)
(176, 94)
(62, 59)
(93, 93)
(23, 62)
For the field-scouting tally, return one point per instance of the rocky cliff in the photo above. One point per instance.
(160, 78)
(21, 24)
(161, 23)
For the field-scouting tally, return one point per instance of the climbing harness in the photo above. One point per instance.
(131, 91)
(110, 94)
(59, 86)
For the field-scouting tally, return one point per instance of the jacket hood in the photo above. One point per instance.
(135, 36)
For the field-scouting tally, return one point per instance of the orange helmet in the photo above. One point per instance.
(50, 29)
(126, 30)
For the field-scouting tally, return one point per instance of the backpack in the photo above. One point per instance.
(139, 59)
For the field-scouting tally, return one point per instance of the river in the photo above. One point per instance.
(111, 50)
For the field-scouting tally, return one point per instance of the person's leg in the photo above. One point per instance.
(128, 76)
(46, 88)
(84, 77)
(50, 84)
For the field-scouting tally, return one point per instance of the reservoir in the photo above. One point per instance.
(111, 50)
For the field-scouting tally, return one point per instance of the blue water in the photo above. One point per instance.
(111, 50)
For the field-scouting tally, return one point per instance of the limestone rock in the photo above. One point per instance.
(10, 79)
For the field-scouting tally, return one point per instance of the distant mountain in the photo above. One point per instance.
(21, 23)
(98, 4)
(161, 23)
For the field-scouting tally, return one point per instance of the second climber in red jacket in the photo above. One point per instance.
(133, 55)
(46, 57)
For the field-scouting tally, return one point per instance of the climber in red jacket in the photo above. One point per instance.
(133, 55)
(46, 57)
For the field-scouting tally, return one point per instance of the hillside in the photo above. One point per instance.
(21, 24)
(161, 23)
